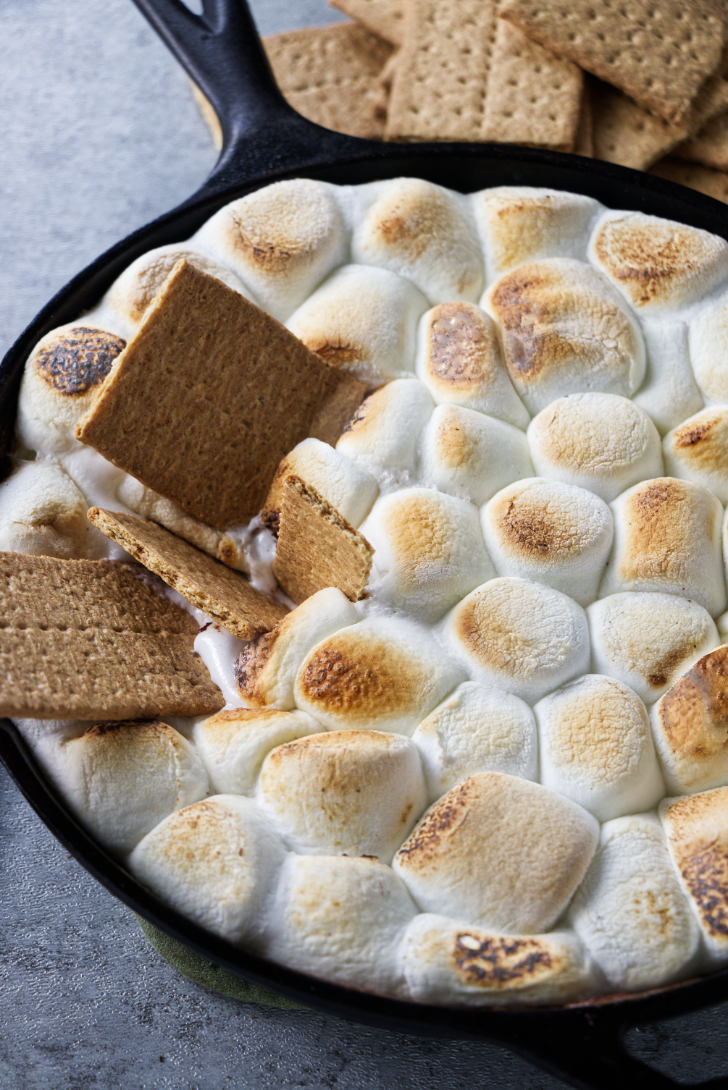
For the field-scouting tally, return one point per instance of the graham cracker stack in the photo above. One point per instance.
(224, 594)
(317, 548)
(209, 395)
(90, 639)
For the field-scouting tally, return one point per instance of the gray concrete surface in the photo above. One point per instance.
(100, 134)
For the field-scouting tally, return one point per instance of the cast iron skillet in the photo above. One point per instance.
(264, 140)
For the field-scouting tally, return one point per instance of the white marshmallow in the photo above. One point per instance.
(382, 436)
(550, 532)
(43, 512)
(428, 551)
(214, 862)
(477, 729)
(121, 779)
(669, 392)
(565, 330)
(698, 450)
(520, 636)
(340, 481)
(423, 232)
(667, 538)
(384, 673)
(281, 241)
(364, 320)
(460, 361)
(448, 962)
(708, 341)
(470, 454)
(689, 725)
(522, 223)
(630, 912)
(340, 919)
(657, 263)
(596, 747)
(602, 442)
(234, 743)
(697, 837)
(61, 378)
(646, 640)
(349, 792)
(498, 851)
(266, 669)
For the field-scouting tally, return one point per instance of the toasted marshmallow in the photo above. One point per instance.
(477, 729)
(349, 792)
(667, 538)
(689, 724)
(214, 862)
(522, 223)
(647, 640)
(340, 919)
(61, 378)
(709, 350)
(471, 455)
(460, 361)
(43, 512)
(630, 912)
(234, 743)
(669, 392)
(340, 481)
(137, 286)
(266, 669)
(698, 450)
(697, 837)
(382, 435)
(123, 778)
(363, 320)
(565, 331)
(428, 551)
(445, 961)
(550, 532)
(384, 673)
(657, 263)
(425, 233)
(602, 442)
(498, 851)
(519, 635)
(281, 241)
(596, 747)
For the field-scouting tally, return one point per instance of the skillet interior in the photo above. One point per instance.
(344, 160)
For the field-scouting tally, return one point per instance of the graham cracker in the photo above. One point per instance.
(209, 395)
(318, 548)
(90, 639)
(382, 17)
(224, 594)
(625, 133)
(714, 183)
(710, 147)
(659, 54)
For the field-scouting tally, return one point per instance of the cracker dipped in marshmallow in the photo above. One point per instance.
(553, 533)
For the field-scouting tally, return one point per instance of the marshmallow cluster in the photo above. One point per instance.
(451, 790)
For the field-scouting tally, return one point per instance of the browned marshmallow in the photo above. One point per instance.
(698, 450)
(382, 435)
(565, 330)
(348, 792)
(657, 263)
(667, 538)
(499, 851)
(690, 725)
(697, 836)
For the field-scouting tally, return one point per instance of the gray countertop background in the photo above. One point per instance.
(101, 134)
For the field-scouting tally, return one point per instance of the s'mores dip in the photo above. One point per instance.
(364, 584)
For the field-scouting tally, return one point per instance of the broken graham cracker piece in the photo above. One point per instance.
(91, 639)
(713, 183)
(382, 17)
(318, 548)
(209, 395)
(659, 54)
(224, 594)
(625, 133)
(710, 147)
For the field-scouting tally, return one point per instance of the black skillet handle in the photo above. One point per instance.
(222, 53)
